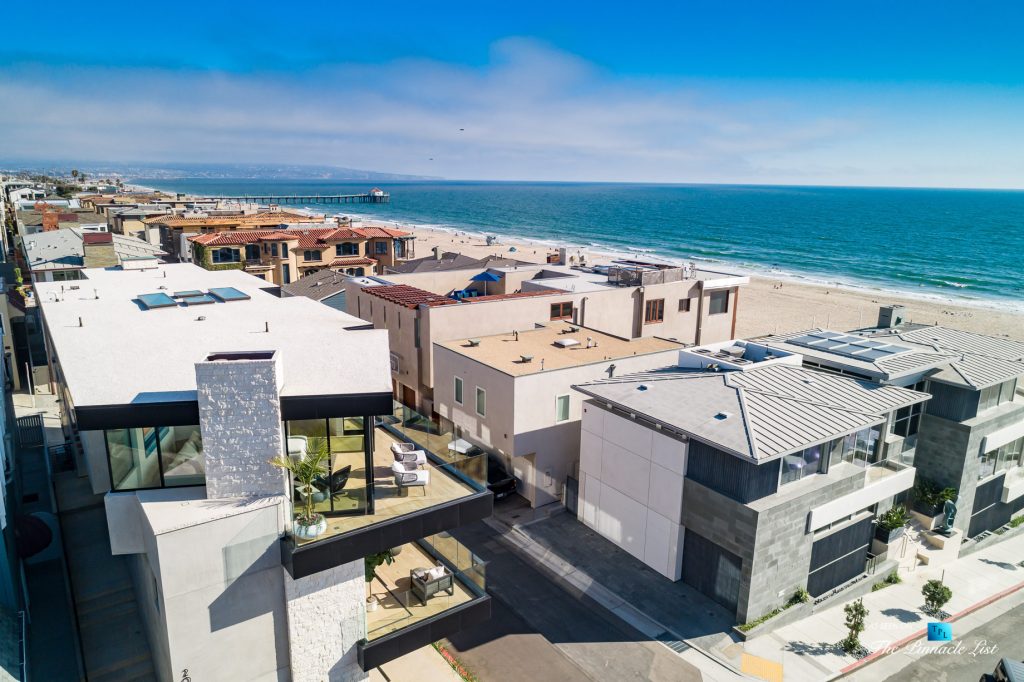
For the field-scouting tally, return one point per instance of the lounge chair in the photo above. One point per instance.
(337, 482)
(408, 476)
(417, 457)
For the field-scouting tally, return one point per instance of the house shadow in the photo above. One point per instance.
(1001, 564)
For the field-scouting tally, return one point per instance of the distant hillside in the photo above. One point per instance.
(222, 171)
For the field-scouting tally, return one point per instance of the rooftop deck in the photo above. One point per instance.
(447, 483)
(508, 352)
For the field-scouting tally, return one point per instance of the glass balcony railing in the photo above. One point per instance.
(402, 594)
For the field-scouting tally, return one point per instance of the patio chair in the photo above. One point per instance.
(417, 457)
(297, 446)
(399, 448)
(408, 476)
(337, 482)
(428, 582)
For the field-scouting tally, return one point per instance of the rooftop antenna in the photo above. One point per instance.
(80, 322)
(266, 327)
(515, 333)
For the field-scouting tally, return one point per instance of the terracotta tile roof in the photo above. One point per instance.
(239, 237)
(381, 232)
(408, 296)
(351, 260)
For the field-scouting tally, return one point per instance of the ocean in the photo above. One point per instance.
(966, 246)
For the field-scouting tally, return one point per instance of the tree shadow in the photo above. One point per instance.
(1001, 564)
(819, 649)
(902, 615)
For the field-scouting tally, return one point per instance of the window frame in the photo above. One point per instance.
(684, 305)
(711, 302)
(568, 408)
(306, 253)
(480, 393)
(654, 311)
(561, 311)
(459, 391)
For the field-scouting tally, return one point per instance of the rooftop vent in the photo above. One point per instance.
(566, 343)
(472, 343)
(722, 416)
(642, 387)
(526, 358)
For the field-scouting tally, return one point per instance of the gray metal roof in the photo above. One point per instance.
(318, 286)
(958, 357)
(758, 414)
(63, 249)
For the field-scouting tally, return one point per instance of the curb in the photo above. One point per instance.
(564, 572)
(893, 648)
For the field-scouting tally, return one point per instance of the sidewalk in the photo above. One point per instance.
(807, 649)
(422, 665)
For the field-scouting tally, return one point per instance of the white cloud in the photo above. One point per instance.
(531, 113)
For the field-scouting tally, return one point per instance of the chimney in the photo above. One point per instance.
(98, 250)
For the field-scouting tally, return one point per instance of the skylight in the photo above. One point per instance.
(157, 300)
(201, 299)
(229, 294)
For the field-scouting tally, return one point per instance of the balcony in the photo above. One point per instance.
(455, 494)
(882, 480)
(407, 617)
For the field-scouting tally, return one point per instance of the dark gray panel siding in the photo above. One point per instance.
(729, 475)
(950, 402)
(839, 557)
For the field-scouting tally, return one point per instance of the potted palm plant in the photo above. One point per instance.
(890, 525)
(372, 562)
(305, 471)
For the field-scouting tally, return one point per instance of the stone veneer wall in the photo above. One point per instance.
(240, 418)
(326, 617)
(948, 452)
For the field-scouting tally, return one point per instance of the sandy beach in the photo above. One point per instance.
(769, 306)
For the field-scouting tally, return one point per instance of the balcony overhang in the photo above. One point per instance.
(311, 558)
(874, 491)
(1013, 486)
(377, 652)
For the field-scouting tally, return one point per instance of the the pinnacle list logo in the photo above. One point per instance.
(940, 632)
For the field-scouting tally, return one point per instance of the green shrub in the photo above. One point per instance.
(936, 595)
(1017, 521)
(855, 617)
(897, 517)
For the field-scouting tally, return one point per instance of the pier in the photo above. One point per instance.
(374, 197)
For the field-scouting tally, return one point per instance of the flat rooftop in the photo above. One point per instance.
(113, 350)
(505, 353)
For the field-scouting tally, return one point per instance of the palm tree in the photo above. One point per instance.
(305, 471)
(74, 173)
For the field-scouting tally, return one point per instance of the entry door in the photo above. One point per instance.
(408, 397)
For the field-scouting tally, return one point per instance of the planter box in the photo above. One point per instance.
(889, 536)
(929, 521)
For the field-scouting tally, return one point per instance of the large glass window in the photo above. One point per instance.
(718, 303)
(252, 252)
(1002, 458)
(154, 457)
(225, 254)
(380, 248)
(343, 486)
(346, 249)
(458, 390)
(561, 311)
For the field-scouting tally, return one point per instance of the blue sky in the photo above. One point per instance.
(865, 93)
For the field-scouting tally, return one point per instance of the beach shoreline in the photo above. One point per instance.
(769, 304)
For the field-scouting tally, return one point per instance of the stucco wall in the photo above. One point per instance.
(94, 447)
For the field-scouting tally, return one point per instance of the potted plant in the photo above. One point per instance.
(891, 524)
(305, 471)
(929, 500)
(370, 568)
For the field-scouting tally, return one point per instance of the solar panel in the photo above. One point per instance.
(188, 294)
(846, 345)
(157, 300)
(201, 299)
(229, 294)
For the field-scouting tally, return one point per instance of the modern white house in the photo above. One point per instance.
(511, 395)
(178, 433)
(742, 473)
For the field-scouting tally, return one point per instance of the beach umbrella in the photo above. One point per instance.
(486, 277)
